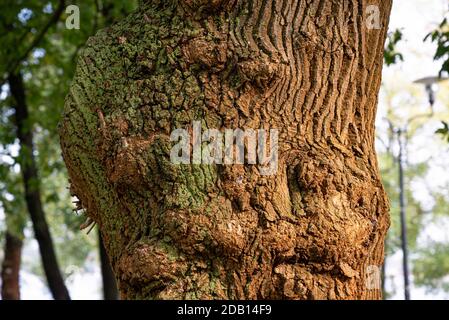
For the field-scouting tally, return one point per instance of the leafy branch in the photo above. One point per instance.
(54, 18)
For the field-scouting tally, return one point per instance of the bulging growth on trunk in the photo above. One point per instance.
(312, 229)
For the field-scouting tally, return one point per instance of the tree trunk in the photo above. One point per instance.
(110, 291)
(11, 268)
(311, 70)
(32, 190)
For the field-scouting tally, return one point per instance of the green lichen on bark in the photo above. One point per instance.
(131, 82)
(216, 231)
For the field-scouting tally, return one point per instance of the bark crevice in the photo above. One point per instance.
(310, 69)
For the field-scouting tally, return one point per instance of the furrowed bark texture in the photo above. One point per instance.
(312, 70)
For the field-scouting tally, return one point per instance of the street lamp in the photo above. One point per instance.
(430, 85)
(400, 134)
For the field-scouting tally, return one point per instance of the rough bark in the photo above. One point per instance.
(32, 190)
(311, 69)
(11, 268)
(110, 291)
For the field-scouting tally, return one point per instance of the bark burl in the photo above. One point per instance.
(312, 70)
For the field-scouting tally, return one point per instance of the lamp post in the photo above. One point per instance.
(430, 85)
(403, 214)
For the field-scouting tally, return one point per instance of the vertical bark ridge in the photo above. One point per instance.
(308, 68)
